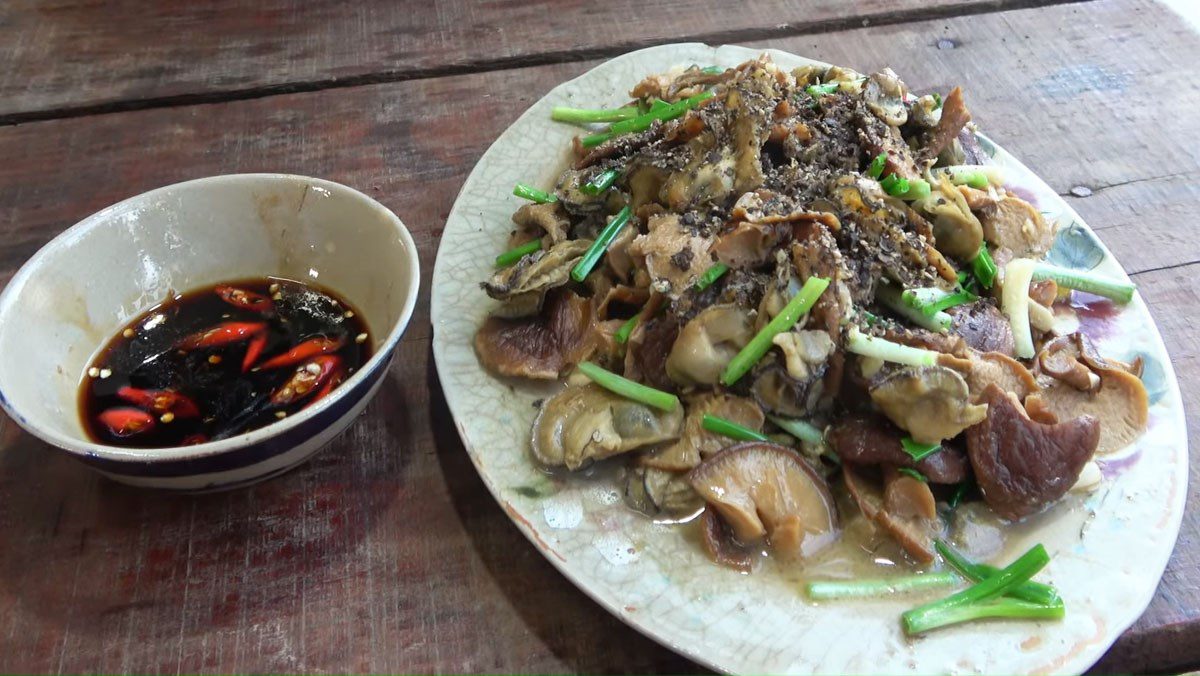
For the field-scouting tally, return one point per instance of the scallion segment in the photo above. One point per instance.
(628, 388)
(597, 249)
(711, 275)
(1034, 592)
(728, 428)
(984, 267)
(517, 253)
(1001, 608)
(932, 300)
(937, 100)
(959, 493)
(532, 194)
(622, 334)
(798, 428)
(976, 176)
(826, 590)
(894, 185)
(818, 90)
(643, 121)
(918, 188)
(1121, 292)
(801, 303)
(712, 70)
(918, 451)
(869, 346)
(587, 116)
(601, 182)
(910, 472)
(891, 297)
(875, 171)
(1014, 303)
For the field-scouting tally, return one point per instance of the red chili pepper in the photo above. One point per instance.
(193, 439)
(309, 348)
(160, 401)
(254, 349)
(334, 380)
(305, 381)
(126, 422)
(222, 334)
(248, 300)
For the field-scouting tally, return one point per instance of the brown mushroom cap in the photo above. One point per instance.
(913, 533)
(1022, 465)
(872, 440)
(907, 497)
(697, 443)
(675, 256)
(931, 403)
(1014, 224)
(542, 346)
(983, 327)
(720, 545)
(1003, 371)
(535, 220)
(1121, 404)
(766, 490)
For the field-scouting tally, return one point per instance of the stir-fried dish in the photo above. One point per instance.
(768, 289)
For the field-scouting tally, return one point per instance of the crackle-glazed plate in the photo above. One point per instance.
(1109, 548)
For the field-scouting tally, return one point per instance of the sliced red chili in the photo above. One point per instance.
(305, 381)
(160, 401)
(253, 350)
(248, 300)
(222, 334)
(334, 380)
(126, 422)
(306, 350)
(193, 439)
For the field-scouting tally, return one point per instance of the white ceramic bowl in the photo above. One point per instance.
(83, 286)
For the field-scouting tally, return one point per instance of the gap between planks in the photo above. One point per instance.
(524, 61)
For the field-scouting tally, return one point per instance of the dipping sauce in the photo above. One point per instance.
(220, 361)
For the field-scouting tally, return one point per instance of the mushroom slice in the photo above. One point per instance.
(956, 231)
(748, 244)
(1002, 370)
(913, 533)
(524, 285)
(907, 497)
(656, 492)
(675, 256)
(697, 443)
(805, 352)
(541, 347)
(778, 392)
(983, 327)
(572, 196)
(931, 403)
(535, 220)
(707, 343)
(766, 490)
(954, 117)
(585, 423)
(864, 440)
(720, 545)
(1022, 465)
(884, 94)
(1121, 404)
(1016, 225)
(1060, 359)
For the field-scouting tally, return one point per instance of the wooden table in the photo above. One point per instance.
(385, 552)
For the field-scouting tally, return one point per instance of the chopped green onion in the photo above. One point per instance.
(984, 267)
(622, 334)
(960, 297)
(801, 303)
(869, 346)
(1034, 592)
(1014, 303)
(894, 185)
(932, 300)
(975, 175)
(584, 116)
(918, 188)
(892, 298)
(1003, 608)
(798, 428)
(712, 70)
(517, 253)
(870, 317)
(875, 170)
(597, 249)
(728, 428)
(628, 388)
(601, 182)
(829, 589)
(667, 111)
(711, 275)
(908, 471)
(818, 90)
(917, 450)
(937, 100)
(959, 493)
(532, 194)
(950, 610)
(1121, 292)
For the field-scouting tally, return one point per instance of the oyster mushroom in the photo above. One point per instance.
(523, 286)
(707, 343)
(1022, 465)
(866, 440)
(778, 392)
(543, 346)
(914, 533)
(805, 352)
(571, 195)
(884, 94)
(954, 117)
(1120, 404)
(720, 545)
(1007, 373)
(931, 403)
(697, 443)
(1016, 225)
(645, 184)
(675, 256)
(647, 349)
(700, 180)
(747, 245)
(983, 327)
(1060, 359)
(656, 492)
(956, 231)
(535, 220)
(764, 490)
(585, 423)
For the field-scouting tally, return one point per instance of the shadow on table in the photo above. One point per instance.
(577, 630)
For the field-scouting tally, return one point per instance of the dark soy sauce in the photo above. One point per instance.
(219, 361)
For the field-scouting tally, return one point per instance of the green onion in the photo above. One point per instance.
(917, 450)
(959, 493)
(622, 334)
(728, 428)
(869, 346)
(932, 300)
(1014, 303)
(829, 589)
(601, 182)
(908, 471)
(532, 194)
(584, 116)
(975, 175)
(1003, 608)
(711, 275)
(712, 70)
(629, 389)
(818, 90)
(937, 100)
(798, 428)
(667, 111)
(984, 267)
(517, 253)
(801, 303)
(918, 188)
(950, 610)
(870, 317)
(960, 297)
(597, 249)
(891, 297)
(1121, 292)
(875, 171)
(894, 185)
(1034, 592)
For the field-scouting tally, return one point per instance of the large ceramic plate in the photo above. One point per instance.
(1109, 549)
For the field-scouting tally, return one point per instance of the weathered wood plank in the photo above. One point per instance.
(386, 553)
(75, 56)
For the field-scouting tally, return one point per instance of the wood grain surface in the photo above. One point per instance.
(386, 553)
